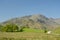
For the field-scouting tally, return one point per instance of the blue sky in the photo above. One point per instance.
(17, 8)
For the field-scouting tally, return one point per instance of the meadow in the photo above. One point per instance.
(27, 36)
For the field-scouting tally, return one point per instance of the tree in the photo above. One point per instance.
(10, 28)
(45, 30)
(15, 28)
(22, 27)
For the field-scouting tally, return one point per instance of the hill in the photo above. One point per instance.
(37, 21)
(57, 20)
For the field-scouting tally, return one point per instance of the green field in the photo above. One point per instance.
(32, 30)
(27, 36)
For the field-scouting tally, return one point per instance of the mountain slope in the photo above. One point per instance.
(37, 21)
(57, 20)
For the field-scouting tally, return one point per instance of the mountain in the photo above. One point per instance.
(57, 20)
(36, 21)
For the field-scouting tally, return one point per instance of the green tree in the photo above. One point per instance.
(45, 30)
(10, 28)
(15, 28)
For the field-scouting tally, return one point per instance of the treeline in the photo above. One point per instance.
(15, 28)
(10, 28)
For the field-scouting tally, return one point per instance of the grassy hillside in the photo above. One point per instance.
(27, 36)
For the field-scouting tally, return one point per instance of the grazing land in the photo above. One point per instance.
(27, 36)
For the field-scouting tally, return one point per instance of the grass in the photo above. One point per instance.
(32, 30)
(56, 31)
(27, 36)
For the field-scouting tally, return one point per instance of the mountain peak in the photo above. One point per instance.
(34, 21)
(38, 15)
